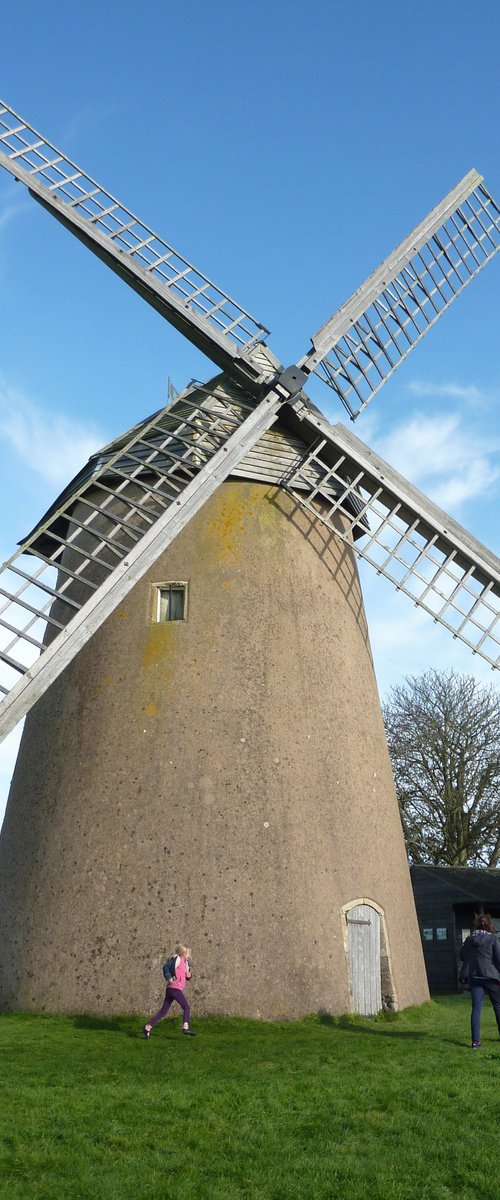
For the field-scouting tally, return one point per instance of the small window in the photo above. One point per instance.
(442, 935)
(428, 935)
(170, 602)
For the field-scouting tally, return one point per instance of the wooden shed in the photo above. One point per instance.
(446, 899)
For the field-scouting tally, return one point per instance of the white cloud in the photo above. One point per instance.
(13, 204)
(442, 456)
(476, 479)
(53, 446)
(451, 391)
(87, 119)
(8, 214)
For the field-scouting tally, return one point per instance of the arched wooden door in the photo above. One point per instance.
(363, 941)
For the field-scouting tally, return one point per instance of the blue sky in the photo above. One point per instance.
(284, 149)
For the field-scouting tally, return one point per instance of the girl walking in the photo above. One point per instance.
(175, 991)
(480, 955)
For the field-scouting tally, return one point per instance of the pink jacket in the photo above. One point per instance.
(181, 973)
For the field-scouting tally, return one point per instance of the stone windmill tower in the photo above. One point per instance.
(204, 755)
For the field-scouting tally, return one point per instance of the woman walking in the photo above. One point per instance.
(175, 991)
(480, 955)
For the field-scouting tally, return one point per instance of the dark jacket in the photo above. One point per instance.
(480, 955)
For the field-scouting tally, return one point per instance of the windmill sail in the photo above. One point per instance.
(108, 528)
(364, 342)
(411, 541)
(215, 323)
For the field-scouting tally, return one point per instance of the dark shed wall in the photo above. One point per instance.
(435, 911)
(447, 898)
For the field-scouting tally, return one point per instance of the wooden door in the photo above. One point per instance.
(363, 925)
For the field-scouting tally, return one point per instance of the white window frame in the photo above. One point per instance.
(157, 589)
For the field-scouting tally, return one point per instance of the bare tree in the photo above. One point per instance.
(443, 732)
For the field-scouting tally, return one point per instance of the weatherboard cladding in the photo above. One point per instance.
(273, 459)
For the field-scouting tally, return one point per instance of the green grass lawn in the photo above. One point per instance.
(386, 1109)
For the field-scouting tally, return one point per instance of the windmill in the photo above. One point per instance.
(204, 754)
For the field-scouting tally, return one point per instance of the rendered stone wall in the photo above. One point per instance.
(222, 781)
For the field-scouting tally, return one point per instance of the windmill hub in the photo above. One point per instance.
(290, 382)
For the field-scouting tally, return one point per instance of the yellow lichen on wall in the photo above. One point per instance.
(236, 506)
(159, 645)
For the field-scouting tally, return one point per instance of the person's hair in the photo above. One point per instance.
(181, 950)
(483, 921)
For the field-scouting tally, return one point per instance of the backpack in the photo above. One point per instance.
(169, 969)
